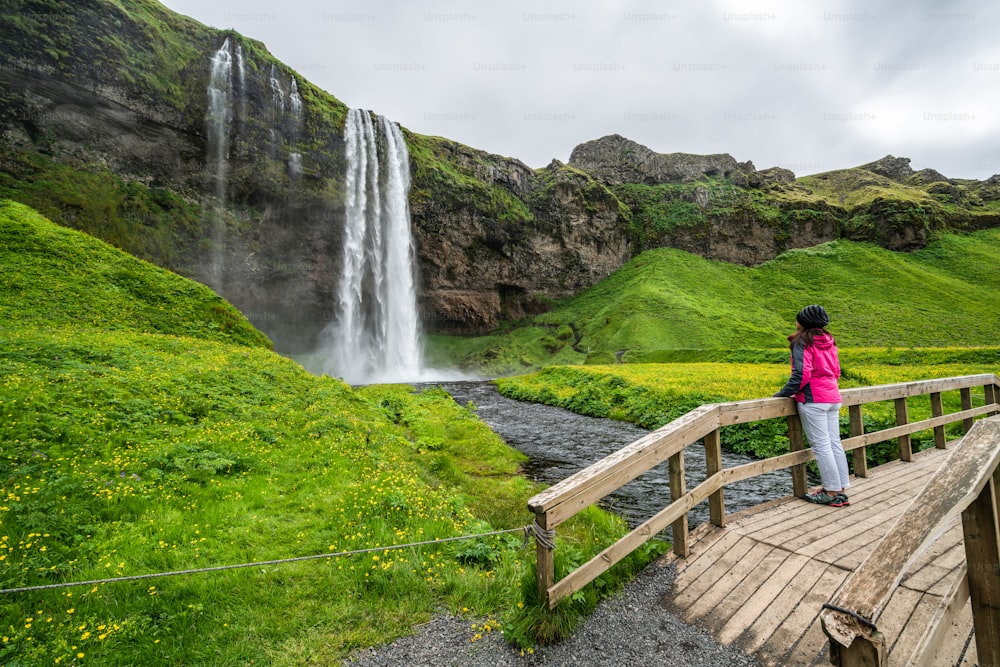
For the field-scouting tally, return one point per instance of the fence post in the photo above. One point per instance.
(713, 464)
(992, 394)
(678, 489)
(796, 443)
(937, 409)
(545, 572)
(863, 652)
(966, 405)
(859, 454)
(903, 417)
(982, 554)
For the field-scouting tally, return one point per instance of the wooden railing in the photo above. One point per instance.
(968, 483)
(586, 487)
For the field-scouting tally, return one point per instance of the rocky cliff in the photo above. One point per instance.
(723, 209)
(107, 126)
(498, 240)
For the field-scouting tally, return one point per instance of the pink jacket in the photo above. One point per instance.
(815, 370)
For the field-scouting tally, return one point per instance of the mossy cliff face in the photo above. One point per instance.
(106, 128)
(498, 240)
(722, 209)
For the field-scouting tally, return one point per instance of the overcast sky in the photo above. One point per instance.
(809, 86)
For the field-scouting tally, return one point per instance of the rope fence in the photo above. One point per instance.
(528, 531)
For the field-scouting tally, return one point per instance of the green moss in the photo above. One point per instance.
(660, 208)
(152, 223)
(851, 188)
(442, 181)
(140, 44)
(53, 276)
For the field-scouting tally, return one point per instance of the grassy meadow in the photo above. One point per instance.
(147, 427)
(668, 305)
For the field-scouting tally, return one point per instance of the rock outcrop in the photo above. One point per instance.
(894, 168)
(616, 160)
(498, 240)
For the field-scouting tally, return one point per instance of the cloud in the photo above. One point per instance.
(806, 86)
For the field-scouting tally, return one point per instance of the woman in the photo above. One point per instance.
(815, 370)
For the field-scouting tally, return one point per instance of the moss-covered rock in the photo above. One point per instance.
(497, 240)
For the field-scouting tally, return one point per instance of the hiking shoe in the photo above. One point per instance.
(840, 500)
(820, 498)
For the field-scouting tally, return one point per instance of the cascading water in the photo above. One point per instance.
(295, 164)
(277, 110)
(375, 335)
(277, 94)
(295, 104)
(241, 75)
(220, 116)
(295, 100)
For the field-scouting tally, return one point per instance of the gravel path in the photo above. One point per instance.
(632, 629)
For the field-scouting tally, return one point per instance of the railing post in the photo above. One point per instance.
(545, 572)
(713, 464)
(863, 652)
(992, 394)
(982, 553)
(937, 409)
(903, 417)
(796, 443)
(859, 454)
(678, 489)
(966, 405)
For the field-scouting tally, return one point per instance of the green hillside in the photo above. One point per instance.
(147, 427)
(670, 305)
(52, 276)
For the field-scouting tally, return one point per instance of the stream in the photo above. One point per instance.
(559, 443)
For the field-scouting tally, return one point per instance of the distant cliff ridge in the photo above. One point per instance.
(198, 150)
(723, 209)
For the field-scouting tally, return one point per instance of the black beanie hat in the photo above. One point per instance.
(813, 317)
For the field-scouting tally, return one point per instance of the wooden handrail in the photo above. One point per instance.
(914, 427)
(589, 485)
(967, 477)
(586, 487)
(888, 392)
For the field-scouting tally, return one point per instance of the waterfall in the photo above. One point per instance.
(296, 101)
(242, 78)
(295, 164)
(277, 94)
(374, 336)
(220, 115)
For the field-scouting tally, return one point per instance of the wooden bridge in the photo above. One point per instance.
(901, 576)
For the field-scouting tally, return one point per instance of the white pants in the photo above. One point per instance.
(821, 423)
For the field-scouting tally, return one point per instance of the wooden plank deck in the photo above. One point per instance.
(760, 582)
